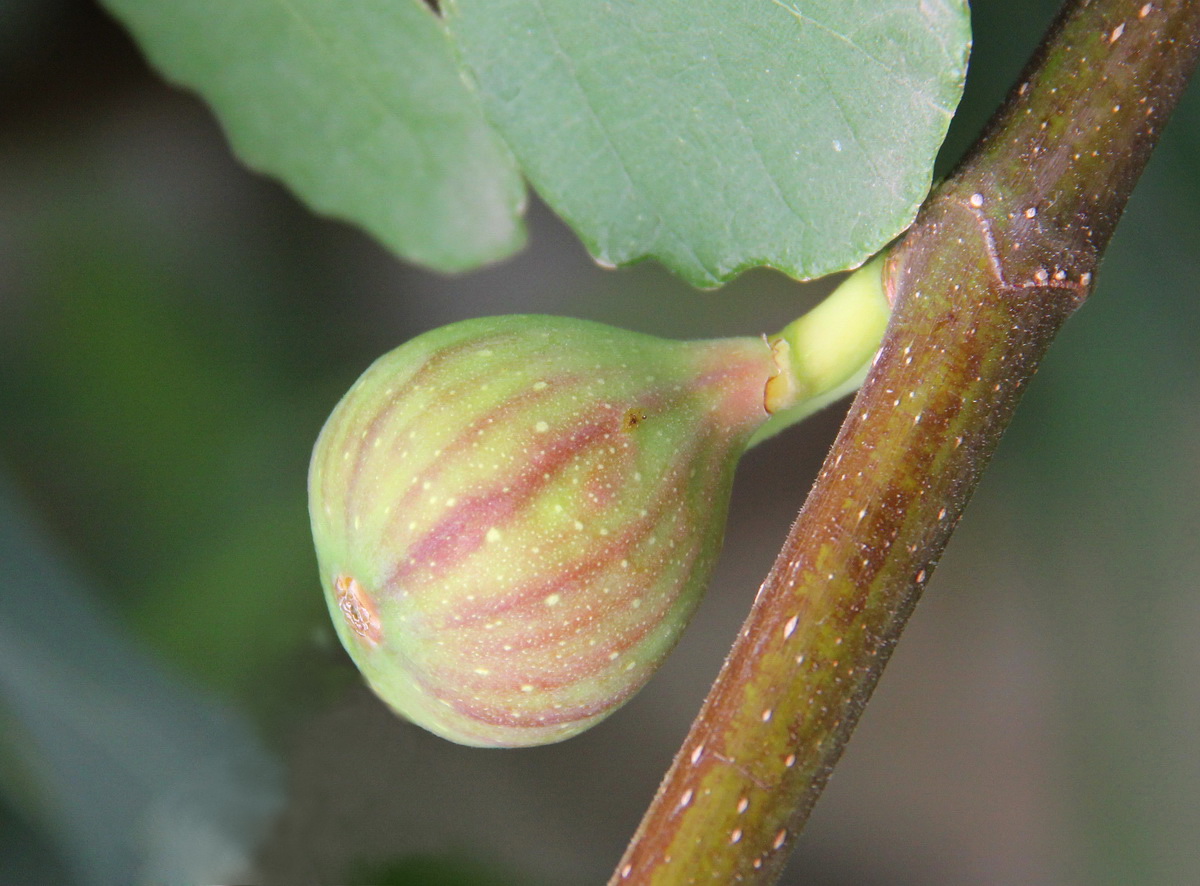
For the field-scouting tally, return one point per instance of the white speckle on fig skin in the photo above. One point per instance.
(531, 579)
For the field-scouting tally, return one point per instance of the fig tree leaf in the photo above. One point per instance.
(716, 135)
(359, 107)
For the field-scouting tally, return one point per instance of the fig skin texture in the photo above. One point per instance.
(515, 517)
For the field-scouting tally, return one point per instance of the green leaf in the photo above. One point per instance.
(359, 107)
(715, 135)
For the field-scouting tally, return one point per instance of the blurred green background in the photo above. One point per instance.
(174, 707)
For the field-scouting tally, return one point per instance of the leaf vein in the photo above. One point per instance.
(633, 188)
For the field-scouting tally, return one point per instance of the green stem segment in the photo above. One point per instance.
(1002, 254)
(825, 355)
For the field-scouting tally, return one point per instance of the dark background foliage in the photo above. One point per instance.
(173, 330)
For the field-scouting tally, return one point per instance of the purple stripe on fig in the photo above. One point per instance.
(463, 530)
(493, 714)
(586, 568)
(424, 375)
(468, 437)
(512, 648)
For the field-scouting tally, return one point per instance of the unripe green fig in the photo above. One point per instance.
(515, 516)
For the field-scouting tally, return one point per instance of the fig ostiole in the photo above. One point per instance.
(515, 516)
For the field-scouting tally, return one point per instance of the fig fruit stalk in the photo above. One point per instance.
(515, 516)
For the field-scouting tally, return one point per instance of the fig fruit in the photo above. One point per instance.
(515, 516)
